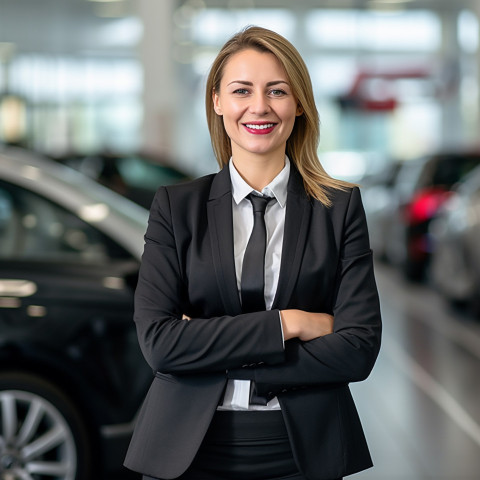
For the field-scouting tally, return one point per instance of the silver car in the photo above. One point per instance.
(455, 263)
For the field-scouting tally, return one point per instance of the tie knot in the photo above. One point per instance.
(259, 203)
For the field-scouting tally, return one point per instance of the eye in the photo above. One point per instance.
(277, 92)
(241, 91)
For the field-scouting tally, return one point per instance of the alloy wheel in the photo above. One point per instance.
(36, 441)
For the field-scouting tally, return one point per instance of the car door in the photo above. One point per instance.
(66, 290)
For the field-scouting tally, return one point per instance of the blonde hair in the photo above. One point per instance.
(303, 142)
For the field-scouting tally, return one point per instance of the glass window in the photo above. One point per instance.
(468, 31)
(374, 30)
(214, 26)
(333, 28)
(79, 104)
(332, 74)
(33, 227)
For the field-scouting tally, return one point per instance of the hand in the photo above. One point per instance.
(305, 325)
(184, 317)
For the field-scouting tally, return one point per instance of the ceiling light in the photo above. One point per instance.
(105, 1)
(388, 6)
(389, 2)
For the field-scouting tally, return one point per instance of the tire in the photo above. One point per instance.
(413, 271)
(42, 436)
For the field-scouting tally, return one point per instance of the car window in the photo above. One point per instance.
(447, 170)
(33, 227)
(137, 172)
(451, 170)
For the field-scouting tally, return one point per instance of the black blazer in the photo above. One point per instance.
(188, 268)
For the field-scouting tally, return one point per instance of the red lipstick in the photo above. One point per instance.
(259, 128)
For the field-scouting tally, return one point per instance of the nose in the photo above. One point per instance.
(259, 104)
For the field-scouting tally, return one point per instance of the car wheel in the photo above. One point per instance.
(453, 274)
(413, 271)
(41, 432)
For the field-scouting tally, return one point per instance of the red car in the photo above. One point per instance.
(422, 187)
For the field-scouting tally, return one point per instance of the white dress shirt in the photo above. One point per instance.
(237, 392)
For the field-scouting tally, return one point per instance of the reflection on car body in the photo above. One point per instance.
(72, 376)
(455, 264)
(377, 200)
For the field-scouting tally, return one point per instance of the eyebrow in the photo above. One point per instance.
(250, 84)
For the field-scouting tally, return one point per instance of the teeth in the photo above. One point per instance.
(260, 127)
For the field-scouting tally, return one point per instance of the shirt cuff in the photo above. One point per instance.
(281, 328)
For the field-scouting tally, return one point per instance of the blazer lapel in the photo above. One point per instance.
(220, 221)
(297, 221)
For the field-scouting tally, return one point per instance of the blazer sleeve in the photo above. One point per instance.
(171, 344)
(349, 353)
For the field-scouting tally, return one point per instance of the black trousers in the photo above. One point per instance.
(244, 445)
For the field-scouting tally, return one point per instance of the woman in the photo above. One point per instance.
(252, 358)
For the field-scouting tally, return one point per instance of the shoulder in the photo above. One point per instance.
(349, 196)
(182, 194)
(346, 207)
(342, 198)
(191, 187)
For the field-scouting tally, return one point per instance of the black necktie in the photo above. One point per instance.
(253, 268)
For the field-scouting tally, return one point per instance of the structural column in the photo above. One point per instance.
(450, 59)
(159, 89)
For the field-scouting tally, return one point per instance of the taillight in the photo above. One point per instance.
(425, 204)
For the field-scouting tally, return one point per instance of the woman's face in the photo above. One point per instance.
(257, 104)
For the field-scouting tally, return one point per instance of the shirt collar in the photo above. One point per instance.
(276, 188)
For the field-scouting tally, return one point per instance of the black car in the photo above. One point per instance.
(135, 176)
(72, 376)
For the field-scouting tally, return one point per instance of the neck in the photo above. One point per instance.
(258, 172)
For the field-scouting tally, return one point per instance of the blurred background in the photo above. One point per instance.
(102, 101)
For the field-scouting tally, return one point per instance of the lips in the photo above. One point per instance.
(259, 128)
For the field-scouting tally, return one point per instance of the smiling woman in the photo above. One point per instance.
(259, 112)
(290, 70)
(256, 295)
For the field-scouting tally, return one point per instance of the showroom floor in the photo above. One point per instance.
(421, 405)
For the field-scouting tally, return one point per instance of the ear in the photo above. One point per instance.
(216, 103)
(299, 110)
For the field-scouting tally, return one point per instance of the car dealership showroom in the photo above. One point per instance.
(102, 102)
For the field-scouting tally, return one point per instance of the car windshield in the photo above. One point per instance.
(452, 169)
(139, 172)
(90, 200)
